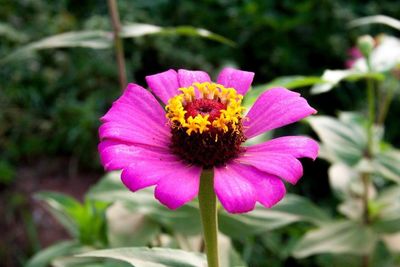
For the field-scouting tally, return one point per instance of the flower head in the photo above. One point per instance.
(203, 126)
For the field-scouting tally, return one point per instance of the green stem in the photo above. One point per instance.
(370, 133)
(365, 180)
(119, 48)
(371, 119)
(387, 99)
(365, 261)
(209, 219)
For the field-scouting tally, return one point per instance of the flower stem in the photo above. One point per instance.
(370, 145)
(209, 219)
(387, 99)
(119, 48)
(371, 114)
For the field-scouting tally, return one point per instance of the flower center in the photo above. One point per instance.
(204, 107)
(206, 124)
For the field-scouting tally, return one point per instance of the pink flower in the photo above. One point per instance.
(354, 54)
(202, 128)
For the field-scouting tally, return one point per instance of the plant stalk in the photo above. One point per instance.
(118, 44)
(365, 180)
(209, 217)
(371, 115)
(384, 108)
(370, 145)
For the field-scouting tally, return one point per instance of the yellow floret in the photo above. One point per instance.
(230, 117)
(202, 122)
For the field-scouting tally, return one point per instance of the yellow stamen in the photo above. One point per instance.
(229, 117)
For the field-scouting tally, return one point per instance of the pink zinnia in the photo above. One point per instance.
(202, 128)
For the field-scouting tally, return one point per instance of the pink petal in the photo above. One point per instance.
(150, 169)
(188, 77)
(297, 146)
(238, 79)
(164, 85)
(235, 192)
(116, 155)
(282, 165)
(269, 189)
(136, 117)
(178, 185)
(275, 108)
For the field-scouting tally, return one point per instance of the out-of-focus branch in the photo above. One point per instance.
(119, 48)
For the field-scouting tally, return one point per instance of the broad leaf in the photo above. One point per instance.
(289, 82)
(155, 257)
(61, 206)
(127, 228)
(45, 256)
(387, 219)
(343, 140)
(378, 19)
(346, 237)
(345, 181)
(85, 222)
(392, 241)
(140, 29)
(10, 33)
(290, 210)
(98, 39)
(387, 164)
(72, 261)
(227, 253)
(185, 220)
(88, 39)
(331, 78)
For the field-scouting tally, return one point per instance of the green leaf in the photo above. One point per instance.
(346, 237)
(392, 242)
(289, 82)
(88, 39)
(155, 257)
(377, 19)
(127, 228)
(292, 82)
(92, 222)
(98, 39)
(331, 78)
(290, 210)
(61, 206)
(110, 188)
(85, 222)
(388, 218)
(10, 33)
(387, 164)
(139, 29)
(338, 260)
(344, 180)
(227, 254)
(343, 140)
(72, 261)
(45, 256)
